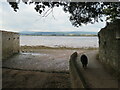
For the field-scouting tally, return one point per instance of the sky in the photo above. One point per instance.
(27, 19)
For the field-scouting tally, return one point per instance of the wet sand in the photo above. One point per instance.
(38, 68)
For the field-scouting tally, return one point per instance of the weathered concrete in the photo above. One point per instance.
(77, 79)
(10, 43)
(0, 60)
(109, 45)
(0, 46)
(95, 76)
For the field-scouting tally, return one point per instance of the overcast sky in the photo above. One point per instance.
(27, 19)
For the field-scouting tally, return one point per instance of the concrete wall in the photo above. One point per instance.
(109, 45)
(0, 60)
(10, 44)
(77, 79)
(0, 46)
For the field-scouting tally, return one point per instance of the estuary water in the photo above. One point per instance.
(60, 41)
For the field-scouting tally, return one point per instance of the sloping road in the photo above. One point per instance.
(95, 75)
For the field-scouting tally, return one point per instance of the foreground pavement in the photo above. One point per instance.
(96, 76)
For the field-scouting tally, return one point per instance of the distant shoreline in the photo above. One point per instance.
(65, 35)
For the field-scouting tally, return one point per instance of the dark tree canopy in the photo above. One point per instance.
(80, 12)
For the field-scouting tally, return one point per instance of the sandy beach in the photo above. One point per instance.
(39, 67)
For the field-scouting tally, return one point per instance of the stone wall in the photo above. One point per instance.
(0, 60)
(10, 43)
(0, 46)
(109, 45)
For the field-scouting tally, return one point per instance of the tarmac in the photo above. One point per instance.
(95, 75)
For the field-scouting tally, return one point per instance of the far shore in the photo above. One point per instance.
(65, 35)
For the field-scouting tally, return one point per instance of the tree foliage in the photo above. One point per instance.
(80, 12)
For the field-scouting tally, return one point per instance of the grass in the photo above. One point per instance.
(46, 47)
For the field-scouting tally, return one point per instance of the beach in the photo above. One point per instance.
(39, 67)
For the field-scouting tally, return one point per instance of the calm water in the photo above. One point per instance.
(59, 41)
